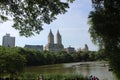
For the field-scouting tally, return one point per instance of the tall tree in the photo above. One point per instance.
(105, 29)
(30, 15)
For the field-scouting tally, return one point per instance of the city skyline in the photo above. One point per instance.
(72, 26)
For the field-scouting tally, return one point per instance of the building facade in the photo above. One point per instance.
(85, 49)
(54, 47)
(70, 50)
(8, 41)
(34, 47)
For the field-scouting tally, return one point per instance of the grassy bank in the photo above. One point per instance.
(52, 76)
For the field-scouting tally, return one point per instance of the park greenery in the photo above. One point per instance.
(14, 60)
(51, 76)
(104, 23)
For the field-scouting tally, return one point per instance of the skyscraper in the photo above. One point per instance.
(8, 41)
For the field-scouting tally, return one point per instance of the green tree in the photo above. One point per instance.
(31, 56)
(92, 56)
(105, 29)
(77, 57)
(30, 15)
(11, 62)
(49, 57)
(85, 56)
(101, 55)
(15, 64)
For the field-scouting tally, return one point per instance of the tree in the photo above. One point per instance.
(30, 15)
(11, 62)
(105, 29)
(15, 63)
(92, 56)
(48, 57)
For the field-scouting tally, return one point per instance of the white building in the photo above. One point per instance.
(8, 41)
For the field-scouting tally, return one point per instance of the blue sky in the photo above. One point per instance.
(72, 26)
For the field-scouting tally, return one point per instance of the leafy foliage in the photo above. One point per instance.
(11, 62)
(105, 29)
(52, 76)
(34, 58)
(30, 15)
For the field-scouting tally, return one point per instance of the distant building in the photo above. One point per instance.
(8, 41)
(85, 49)
(70, 50)
(78, 50)
(51, 46)
(34, 47)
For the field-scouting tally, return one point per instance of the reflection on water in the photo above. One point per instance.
(99, 69)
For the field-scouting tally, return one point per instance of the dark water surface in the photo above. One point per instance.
(98, 69)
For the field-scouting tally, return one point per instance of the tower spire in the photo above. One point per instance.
(50, 31)
(58, 38)
(51, 37)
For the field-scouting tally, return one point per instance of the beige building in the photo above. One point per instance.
(55, 47)
(8, 41)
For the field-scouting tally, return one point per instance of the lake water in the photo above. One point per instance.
(98, 69)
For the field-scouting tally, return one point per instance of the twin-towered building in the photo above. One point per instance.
(52, 46)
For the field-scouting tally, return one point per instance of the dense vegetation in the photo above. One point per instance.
(34, 58)
(13, 60)
(10, 62)
(105, 29)
(50, 76)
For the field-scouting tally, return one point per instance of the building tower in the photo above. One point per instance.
(86, 47)
(54, 47)
(8, 41)
(58, 38)
(50, 38)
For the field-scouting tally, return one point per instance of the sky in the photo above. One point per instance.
(73, 27)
